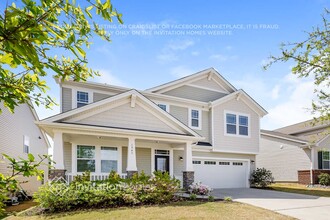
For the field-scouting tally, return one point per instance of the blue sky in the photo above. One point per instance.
(248, 32)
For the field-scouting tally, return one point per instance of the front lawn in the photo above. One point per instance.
(179, 210)
(301, 189)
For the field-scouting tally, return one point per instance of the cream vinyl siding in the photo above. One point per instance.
(284, 163)
(68, 157)
(99, 96)
(125, 116)
(66, 99)
(124, 159)
(178, 164)
(235, 143)
(143, 160)
(189, 92)
(211, 84)
(181, 113)
(12, 129)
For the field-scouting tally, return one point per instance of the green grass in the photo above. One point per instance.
(179, 210)
(301, 189)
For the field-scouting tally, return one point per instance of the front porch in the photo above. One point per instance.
(101, 154)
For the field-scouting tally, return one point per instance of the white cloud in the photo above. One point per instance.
(297, 95)
(195, 53)
(170, 51)
(275, 92)
(222, 58)
(181, 71)
(107, 77)
(229, 48)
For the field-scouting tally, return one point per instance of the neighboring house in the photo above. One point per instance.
(296, 153)
(198, 128)
(19, 135)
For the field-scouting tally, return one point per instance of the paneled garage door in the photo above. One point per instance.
(221, 173)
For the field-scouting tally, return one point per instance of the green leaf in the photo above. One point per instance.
(31, 157)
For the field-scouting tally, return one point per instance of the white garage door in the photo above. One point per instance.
(221, 173)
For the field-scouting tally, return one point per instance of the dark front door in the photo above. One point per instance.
(162, 163)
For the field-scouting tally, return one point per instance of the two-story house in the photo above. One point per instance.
(197, 128)
(20, 136)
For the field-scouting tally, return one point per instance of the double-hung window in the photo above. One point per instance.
(82, 98)
(85, 158)
(109, 159)
(237, 124)
(195, 119)
(324, 160)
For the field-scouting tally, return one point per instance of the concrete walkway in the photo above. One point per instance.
(294, 205)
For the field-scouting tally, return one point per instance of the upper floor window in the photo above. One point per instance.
(163, 106)
(237, 124)
(26, 144)
(82, 98)
(195, 119)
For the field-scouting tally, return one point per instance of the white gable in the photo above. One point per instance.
(210, 84)
(125, 116)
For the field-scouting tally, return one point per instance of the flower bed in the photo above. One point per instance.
(113, 192)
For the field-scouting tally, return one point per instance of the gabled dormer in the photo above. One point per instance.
(206, 86)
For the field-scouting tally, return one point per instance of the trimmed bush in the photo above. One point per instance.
(261, 178)
(324, 179)
(113, 192)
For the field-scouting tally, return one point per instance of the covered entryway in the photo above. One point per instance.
(218, 173)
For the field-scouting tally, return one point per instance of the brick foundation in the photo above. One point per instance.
(305, 178)
(188, 179)
(131, 173)
(56, 174)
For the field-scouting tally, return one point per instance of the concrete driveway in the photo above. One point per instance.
(291, 204)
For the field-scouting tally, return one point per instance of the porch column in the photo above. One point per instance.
(188, 173)
(131, 158)
(312, 166)
(58, 157)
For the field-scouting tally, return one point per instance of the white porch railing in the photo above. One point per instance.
(70, 176)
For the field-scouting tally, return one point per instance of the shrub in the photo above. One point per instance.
(228, 199)
(262, 178)
(113, 192)
(211, 198)
(193, 197)
(199, 189)
(324, 179)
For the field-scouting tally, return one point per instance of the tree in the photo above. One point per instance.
(21, 167)
(312, 58)
(31, 34)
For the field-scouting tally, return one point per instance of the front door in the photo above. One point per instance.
(162, 163)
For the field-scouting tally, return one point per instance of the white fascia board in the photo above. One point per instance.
(303, 143)
(114, 132)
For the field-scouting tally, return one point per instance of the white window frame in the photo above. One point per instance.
(26, 144)
(165, 104)
(199, 118)
(94, 158)
(323, 160)
(74, 96)
(98, 146)
(237, 124)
